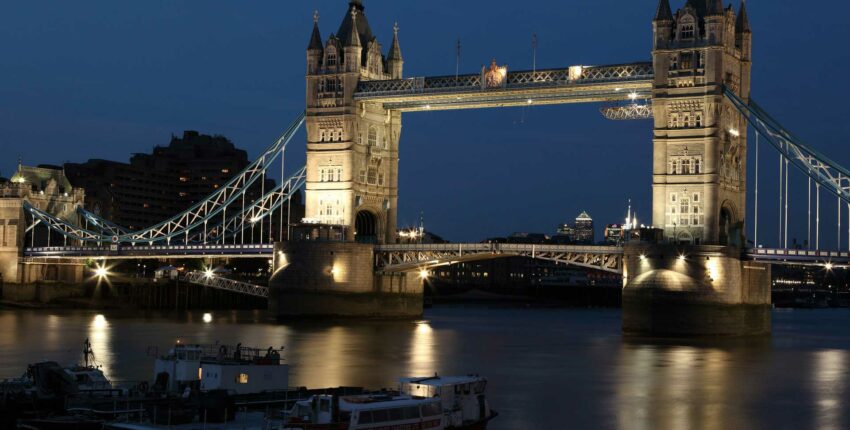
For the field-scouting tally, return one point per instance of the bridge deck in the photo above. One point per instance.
(154, 251)
(578, 84)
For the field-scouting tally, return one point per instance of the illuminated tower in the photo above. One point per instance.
(700, 140)
(352, 148)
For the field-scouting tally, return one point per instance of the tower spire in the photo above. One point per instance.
(316, 37)
(715, 7)
(395, 49)
(663, 12)
(742, 24)
(353, 36)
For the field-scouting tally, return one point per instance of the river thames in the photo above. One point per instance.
(548, 368)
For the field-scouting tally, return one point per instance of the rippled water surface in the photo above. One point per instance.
(548, 369)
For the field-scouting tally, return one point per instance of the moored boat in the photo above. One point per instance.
(436, 403)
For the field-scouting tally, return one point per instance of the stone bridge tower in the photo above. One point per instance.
(700, 140)
(352, 148)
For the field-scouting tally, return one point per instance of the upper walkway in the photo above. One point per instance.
(576, 84)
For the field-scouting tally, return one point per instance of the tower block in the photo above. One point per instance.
(352, 148)
(695, 281)
(351, 188)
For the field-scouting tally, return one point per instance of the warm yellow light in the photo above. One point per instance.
(208, 273)
(423, 273)
(682, 257)
(633, 96)
(530, 101)
(207, 318)
(643, 257)
(734, 132)
(101, 271)
(828, 266)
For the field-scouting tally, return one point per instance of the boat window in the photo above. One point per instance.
(411, 412)
(396, 414)
(242, 378)
(430, 409)
(380, 415)
(325, 405)
(345, 416)
(365, 417)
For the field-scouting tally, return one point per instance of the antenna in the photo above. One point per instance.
(457, 62)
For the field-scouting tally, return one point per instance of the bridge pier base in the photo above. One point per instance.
(337, 279)
(675, 290)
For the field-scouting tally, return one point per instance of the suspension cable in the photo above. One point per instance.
(781, 177)
(756, 233)
(817, 216)
(809, 229)
(786, 204)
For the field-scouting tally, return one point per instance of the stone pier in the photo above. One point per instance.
(678, 290)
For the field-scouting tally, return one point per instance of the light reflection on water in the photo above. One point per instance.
(547, 368)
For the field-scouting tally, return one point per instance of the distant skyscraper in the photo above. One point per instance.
(584, 229)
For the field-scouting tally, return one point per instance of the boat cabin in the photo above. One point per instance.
(369, 411)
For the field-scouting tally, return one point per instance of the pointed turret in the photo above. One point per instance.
(742, 24)
(316, 37)
(353, 36)
(715, 7)
(663, 12)
(394, 58)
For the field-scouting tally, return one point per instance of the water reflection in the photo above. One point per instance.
(100, 335)
(678, 387)
(828, 381)
(422, 349)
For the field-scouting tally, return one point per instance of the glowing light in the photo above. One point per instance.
(423, 274)
(99, 322)
(530, 101)
(101, 271)
(642, 257)
(734, 132)
(208, 273)
(255, 220)
(633, 96)
(682, 257)
(207, 318)
(428, 107)
(829, 266)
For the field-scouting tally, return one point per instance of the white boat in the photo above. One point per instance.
(438, 403)
(238, 369)
(88, 375)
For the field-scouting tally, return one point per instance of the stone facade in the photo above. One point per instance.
(700, 140)
(352, 148)
(45, 188)
(315, 279)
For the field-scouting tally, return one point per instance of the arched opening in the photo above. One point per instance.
(685, 238)
(365, 227)
(726, 220)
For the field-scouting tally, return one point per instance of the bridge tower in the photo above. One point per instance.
(693, 279)
(352, 183)
(352, 148)
(700, 140)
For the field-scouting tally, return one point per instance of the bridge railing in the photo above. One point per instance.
(225, 284)
(500, 247)
(515, 80)
(146, 250)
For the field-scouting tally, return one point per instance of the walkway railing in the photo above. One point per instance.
(219, 283)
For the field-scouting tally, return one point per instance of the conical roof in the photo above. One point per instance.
(742, 25)
(364, 31)
(315, 38)
(395, 49)
(663, 12)
(715, 7)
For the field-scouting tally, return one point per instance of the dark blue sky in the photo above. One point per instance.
(104, 79)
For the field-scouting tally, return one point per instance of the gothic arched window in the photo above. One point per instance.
(373, 136)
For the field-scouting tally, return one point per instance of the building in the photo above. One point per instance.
(581, 232)
(614, 234)
(584, 233)
(45, 188)
(154, 187)
(352, 148)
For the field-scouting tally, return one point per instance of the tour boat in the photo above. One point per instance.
(238, 369)
(433, 403)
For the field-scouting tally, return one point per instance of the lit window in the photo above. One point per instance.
(373, 136)
(183, 194)
(225, 170)
(242, 378)
(184, 179)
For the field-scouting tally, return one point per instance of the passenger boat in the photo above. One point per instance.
(438, 403)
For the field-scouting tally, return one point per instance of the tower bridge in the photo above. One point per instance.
(698, 278)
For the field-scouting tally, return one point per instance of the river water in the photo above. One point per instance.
(548, 368)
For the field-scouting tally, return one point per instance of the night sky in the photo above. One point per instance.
(105, 79)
